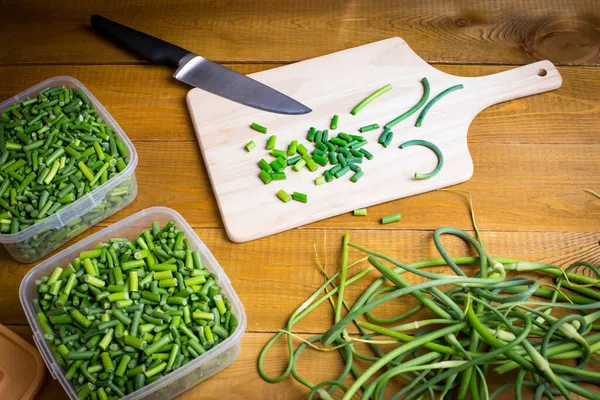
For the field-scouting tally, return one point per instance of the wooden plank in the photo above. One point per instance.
(150, 105)
(474, 31)
(281, 271)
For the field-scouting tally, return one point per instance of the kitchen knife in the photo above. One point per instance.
(198, 71)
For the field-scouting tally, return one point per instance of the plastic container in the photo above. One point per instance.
(22, 368)
(39, 239)
(179, 380)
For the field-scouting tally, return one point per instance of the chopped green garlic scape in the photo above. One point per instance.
(370, 98)
(434, 148)
(343, 152)
(124, 314)
(258, 127)
(284, 196)
(250, 146)
(388, 219)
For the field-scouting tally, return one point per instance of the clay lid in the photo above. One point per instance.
(22, 370)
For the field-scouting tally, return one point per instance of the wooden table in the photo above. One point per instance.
(533, 157)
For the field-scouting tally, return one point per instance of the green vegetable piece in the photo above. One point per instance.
(357, 144)
(388, 139)
(414, 108)
(301, 149)
(292, 148)
(293, 160)
(435, 100)
(279, 154)
(264, 165)
(354, 167)
(299, 165)
(370, 98)
(301, 197)
(318, 137)
(335, 169)
(320, 160)
(334, 122)
(388, 219)
(384, 135)
(321, 146)
(250, 146)
(357, 175)
(367, 155)
(338, 141)
(258, 128)
(368, 128)
(342, 172)
(319, 152)
(284, 196)
(271, 142)
(311, 134)
(277, 166)
(266, 178)
(332, 158)
(278, 176)
(362, 212)
(310, 163)
(435, 149)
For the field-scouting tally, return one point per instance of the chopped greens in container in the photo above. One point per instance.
(126, 313)
(54, 149)
(64, 166)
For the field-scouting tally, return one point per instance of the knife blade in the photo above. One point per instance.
(197, 71)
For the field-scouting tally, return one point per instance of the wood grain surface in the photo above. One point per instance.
(472, 31)
(533, 156)
(150, 105)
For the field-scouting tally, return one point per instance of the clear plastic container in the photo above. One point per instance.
(39, 239)
(179, 380)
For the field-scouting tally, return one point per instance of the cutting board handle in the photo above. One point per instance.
(518, 82)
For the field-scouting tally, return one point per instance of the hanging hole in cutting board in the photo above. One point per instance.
(542, 72)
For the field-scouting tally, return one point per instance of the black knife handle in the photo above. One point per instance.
(152, 49)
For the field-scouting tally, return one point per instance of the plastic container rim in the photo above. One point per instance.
(223, 280)
(55, 220)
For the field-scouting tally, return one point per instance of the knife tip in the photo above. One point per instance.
(296, 108)
(301, 111)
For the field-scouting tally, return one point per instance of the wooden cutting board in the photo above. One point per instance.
(334, 84)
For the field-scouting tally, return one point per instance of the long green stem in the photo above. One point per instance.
(305, 308)
(540, 363)
(342, 285)
(469, 312)
(480, 360)
(375, 367)
(407, 338)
